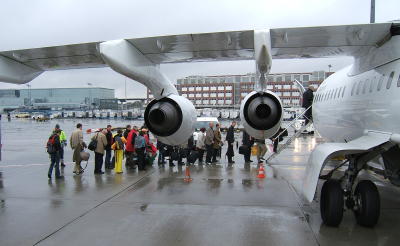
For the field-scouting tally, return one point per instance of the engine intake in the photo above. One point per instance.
(261, 113)
(171, 119)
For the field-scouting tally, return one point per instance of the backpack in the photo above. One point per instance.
(119, 145)
(51, 148)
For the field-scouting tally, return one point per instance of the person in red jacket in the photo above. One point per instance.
(130, 149)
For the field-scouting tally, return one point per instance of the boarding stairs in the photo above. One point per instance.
(296, 134)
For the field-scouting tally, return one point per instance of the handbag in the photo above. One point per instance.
(93, 143)
(243, 149)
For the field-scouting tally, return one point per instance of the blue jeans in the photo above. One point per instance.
(107, 161)
(55, 162)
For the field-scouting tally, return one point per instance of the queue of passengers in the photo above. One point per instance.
(135, 147)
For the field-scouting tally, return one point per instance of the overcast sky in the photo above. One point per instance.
(29, 24)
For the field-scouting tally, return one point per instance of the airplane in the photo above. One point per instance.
(355, 109)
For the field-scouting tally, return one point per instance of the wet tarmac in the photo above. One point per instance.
(223, 204)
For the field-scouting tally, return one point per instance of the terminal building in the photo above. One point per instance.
(229, 90)
(55, 98)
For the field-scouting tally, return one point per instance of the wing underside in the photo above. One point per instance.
(304, 42)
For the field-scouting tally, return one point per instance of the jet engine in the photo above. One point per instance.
(261, 114)
(171, 119)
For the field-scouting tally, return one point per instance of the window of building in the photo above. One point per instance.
(206, 102)
(221, 88)
(213, 88)
(214, 80)
(184, 88)
(238, 79)
(198, 102)
(253, 79)
(206, 95)
(228, 102)
(297, 77)
(179, 81)
(185, 81)
(221, 102)
(270, 78)
(288, 77)
(228, 88)
(229, 79)
(359, 87)
(306, 77)
(193, 81)
(198, 95)
(212, 102)
(198, 88)
(296, 93)
(213, 94)
(286, 87)
(271, 87)
(207, 80)
(286, 94)
(389, 82)
(228, 94)
(278, 78)
(221, 94)
(353, 88)
(191, 95)
(222, 80)
(278, 87)
(184, 95)
(206, 88)
(380, 83)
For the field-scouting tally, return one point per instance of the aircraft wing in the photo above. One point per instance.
(164, 49)
(21, 66)
(326, 41)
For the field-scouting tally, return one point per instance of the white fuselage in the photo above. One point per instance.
(346, 107)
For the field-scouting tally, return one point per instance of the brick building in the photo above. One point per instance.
(229, 90)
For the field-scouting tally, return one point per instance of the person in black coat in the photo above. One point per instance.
(308, 97)
(248, 142)
(230, 138)
(282, 132)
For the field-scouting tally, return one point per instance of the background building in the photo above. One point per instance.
(229, 90)
(55, 97)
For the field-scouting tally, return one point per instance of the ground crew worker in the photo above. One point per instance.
(63, 142)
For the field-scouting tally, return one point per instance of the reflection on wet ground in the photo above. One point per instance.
(223, 205)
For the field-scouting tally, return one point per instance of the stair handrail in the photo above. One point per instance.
(294, 121)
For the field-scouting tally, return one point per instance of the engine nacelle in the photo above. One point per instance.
(171, 119)
(261, 114)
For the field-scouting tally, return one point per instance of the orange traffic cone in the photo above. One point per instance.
(261, 172)
(187, 175)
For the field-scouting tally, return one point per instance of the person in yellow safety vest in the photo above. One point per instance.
(63, 141)
(118, 147)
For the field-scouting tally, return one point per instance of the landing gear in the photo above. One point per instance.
(332, 202)
(364, 201)
(367, 203)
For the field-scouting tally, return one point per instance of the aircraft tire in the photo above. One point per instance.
(368, 203)
(332, 203)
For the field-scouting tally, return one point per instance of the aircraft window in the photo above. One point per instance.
(389, 82)
(380, 82)
(372, 85)
(365, 86)
(398, 81)
(352, 88)
(344, 88)
(359, 87)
